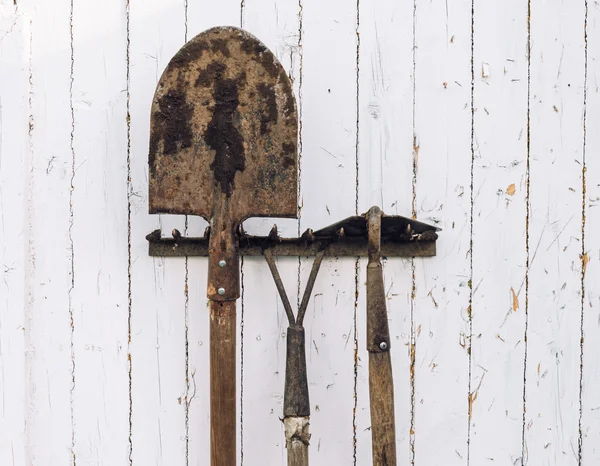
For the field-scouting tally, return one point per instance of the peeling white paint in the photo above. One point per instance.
(480, 117)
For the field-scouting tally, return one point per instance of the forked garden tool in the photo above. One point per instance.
(223, 145)
(296, 404)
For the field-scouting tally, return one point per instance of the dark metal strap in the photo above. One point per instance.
(281, 288)
(279, 284)
(309, 287)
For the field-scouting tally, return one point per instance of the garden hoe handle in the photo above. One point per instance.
(223, 291)
(296, 404)
(381, 382)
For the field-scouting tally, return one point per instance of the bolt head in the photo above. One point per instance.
(383, 345)
(221, 291)
(222, 263)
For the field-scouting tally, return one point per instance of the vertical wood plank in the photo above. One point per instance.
(99, 295)
(590, 422)
(328, 132)
(50, 429)
(385, 174)
(14, 234)
(499, 253)
(158, 364)
(554, 330)
(443, 178)
(275, 23)
(202, 15)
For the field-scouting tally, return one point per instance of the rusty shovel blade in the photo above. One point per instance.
(224, 123)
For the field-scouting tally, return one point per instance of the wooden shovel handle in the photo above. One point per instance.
(222, 383)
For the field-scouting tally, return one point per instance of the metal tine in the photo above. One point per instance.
(308, 235)
(280, 288)
(154, 235)
(176, 234)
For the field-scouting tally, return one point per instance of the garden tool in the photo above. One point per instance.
(296, 405)
(381, 382)
(223, 145)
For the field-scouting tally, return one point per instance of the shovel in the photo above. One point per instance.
(223, 145)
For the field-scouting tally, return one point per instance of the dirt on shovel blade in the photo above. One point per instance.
(224, 118)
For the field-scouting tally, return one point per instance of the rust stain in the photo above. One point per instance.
(416, 148)
(515, 300)
(585, 260)
(471, 400)
(511, 190)
(473, 397)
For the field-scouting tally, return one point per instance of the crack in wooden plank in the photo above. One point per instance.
(471, 218)
(528, 259)
(357, 262)
(70, 233)
(584, 254)
(129, 220)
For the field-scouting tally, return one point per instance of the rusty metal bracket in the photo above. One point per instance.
(400, 237)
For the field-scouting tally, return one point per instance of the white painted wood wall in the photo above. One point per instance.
(481, 116)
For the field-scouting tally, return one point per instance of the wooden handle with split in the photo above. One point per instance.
(381, 382)
(222, 383)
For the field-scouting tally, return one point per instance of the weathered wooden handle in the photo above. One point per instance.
(381, 382)
(296, 404)
(296, 440)
(222, 383)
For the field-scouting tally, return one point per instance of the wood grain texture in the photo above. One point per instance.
(223, 383)
(385, 173)
(99, 236)
(328, 135)
(556, 159)
(499, 233)
(590, 418)
(442, 189)
(14, 234)
(158, 300)
(50, 366)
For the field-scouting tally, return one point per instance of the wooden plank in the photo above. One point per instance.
(555, 280)
(328, 187)
(158, 299)
(499, 253)
(99, 234)
(202, 15)
(590, 421)
(385, 174)
(14, 233)
(443, 137)
(50, 428)
(264, 326)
